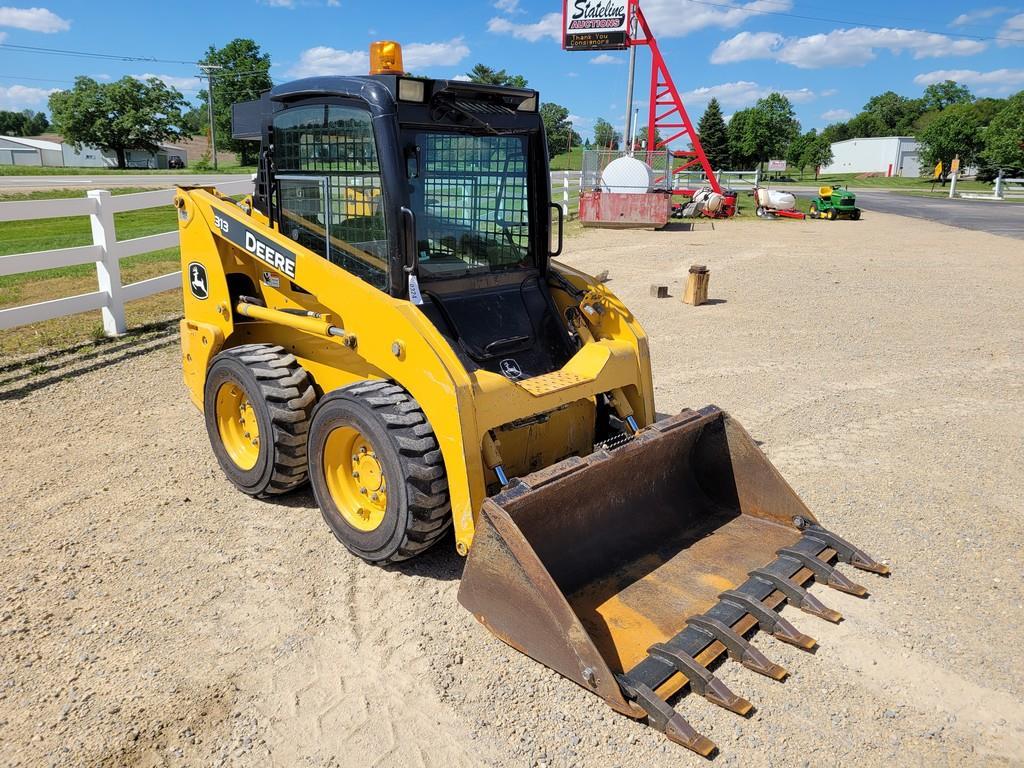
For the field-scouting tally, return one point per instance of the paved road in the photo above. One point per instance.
(106, 180)
(1005, 219)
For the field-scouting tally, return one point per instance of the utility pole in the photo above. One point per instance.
(208, 71)
(631, 24)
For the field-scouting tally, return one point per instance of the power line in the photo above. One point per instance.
(90, 55)
(850, 23)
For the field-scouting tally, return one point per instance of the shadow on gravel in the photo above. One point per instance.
(29, 374)
(440, 562)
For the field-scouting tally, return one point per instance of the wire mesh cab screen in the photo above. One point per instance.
(329, 187)
(470, 197)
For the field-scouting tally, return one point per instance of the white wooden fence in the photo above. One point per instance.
(106, 252)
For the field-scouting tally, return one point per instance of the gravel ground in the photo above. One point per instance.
(151, 615)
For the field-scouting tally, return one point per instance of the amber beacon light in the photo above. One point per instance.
(386, 58)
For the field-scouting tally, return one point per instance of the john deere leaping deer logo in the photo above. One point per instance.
(510, 368)
(197, 280)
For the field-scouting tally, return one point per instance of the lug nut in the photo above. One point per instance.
(374, 497)
(362, 491)
(355, 475)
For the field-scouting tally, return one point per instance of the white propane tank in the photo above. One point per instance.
(627, 175)
(714, 202)
(772, 198)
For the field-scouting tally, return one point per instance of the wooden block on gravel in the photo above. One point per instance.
(696, 292)
(659, 291)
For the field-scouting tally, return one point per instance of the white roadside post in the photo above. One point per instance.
(565, 194)
(108, 268)
(999, 185)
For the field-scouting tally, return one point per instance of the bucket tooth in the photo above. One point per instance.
(739, 647)
(701, 680)
(798, 596)
(823, 571)
(664, 718)
(845, 551)
(769, 620)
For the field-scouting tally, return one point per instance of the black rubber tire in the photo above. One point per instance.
(856, 214)
(282, 396)
(418, 510)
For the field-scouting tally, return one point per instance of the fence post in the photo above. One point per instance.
(999, 185)
(108, 268)
(565, 193)
(952, 185)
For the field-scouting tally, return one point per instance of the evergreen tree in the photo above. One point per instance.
(714, 136)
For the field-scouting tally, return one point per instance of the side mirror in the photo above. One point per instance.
(561, 222)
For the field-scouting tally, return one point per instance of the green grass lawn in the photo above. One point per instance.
(67, 232)
(28, 170)
(568, 161)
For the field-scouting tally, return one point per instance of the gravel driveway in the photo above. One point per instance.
(152, 615)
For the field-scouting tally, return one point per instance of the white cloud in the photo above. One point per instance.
(463, 78)
(606, 58)
(324, 60)
(852, 47)
(977, 15)
(676, 18)
(280, 3)
(18, 97)
(744, 93)
(508, 6)
(1012, 31)
(836, 115)
(996, 81)
(33, 19)
(3, 36)
(186, 84)
(550, 26)
(746, 45)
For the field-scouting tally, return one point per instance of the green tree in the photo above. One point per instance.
(739, 123)
(817, 152)
(558, 128)
(837, 132)
(1003, 137)
(24, 123)
(888, 114)
(118, 116)
(714, 136)
(194, 122)
(484, 74)
(945, 94)
(641, 138)
(605, 135)
(240, 71)
(956, 130)
(796, 152)
(771, 127)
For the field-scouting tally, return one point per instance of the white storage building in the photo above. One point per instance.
(15, 150)
(887, 155)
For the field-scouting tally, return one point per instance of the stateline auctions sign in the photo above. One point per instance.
(595, 25)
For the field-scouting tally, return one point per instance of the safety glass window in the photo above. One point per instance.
(330, 188)
(471, 203)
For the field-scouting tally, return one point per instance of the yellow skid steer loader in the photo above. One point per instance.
(383, 319)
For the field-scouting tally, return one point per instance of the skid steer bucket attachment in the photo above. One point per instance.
(631, 570)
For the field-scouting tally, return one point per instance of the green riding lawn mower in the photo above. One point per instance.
(834, 203)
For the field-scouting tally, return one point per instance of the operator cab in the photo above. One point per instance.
(407, 183)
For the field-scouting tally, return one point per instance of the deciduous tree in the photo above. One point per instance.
(242, 73)
(118, 116)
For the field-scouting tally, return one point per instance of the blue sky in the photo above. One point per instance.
(737, 50)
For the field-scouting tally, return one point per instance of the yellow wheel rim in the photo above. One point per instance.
(237, 424)
(355, 478)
